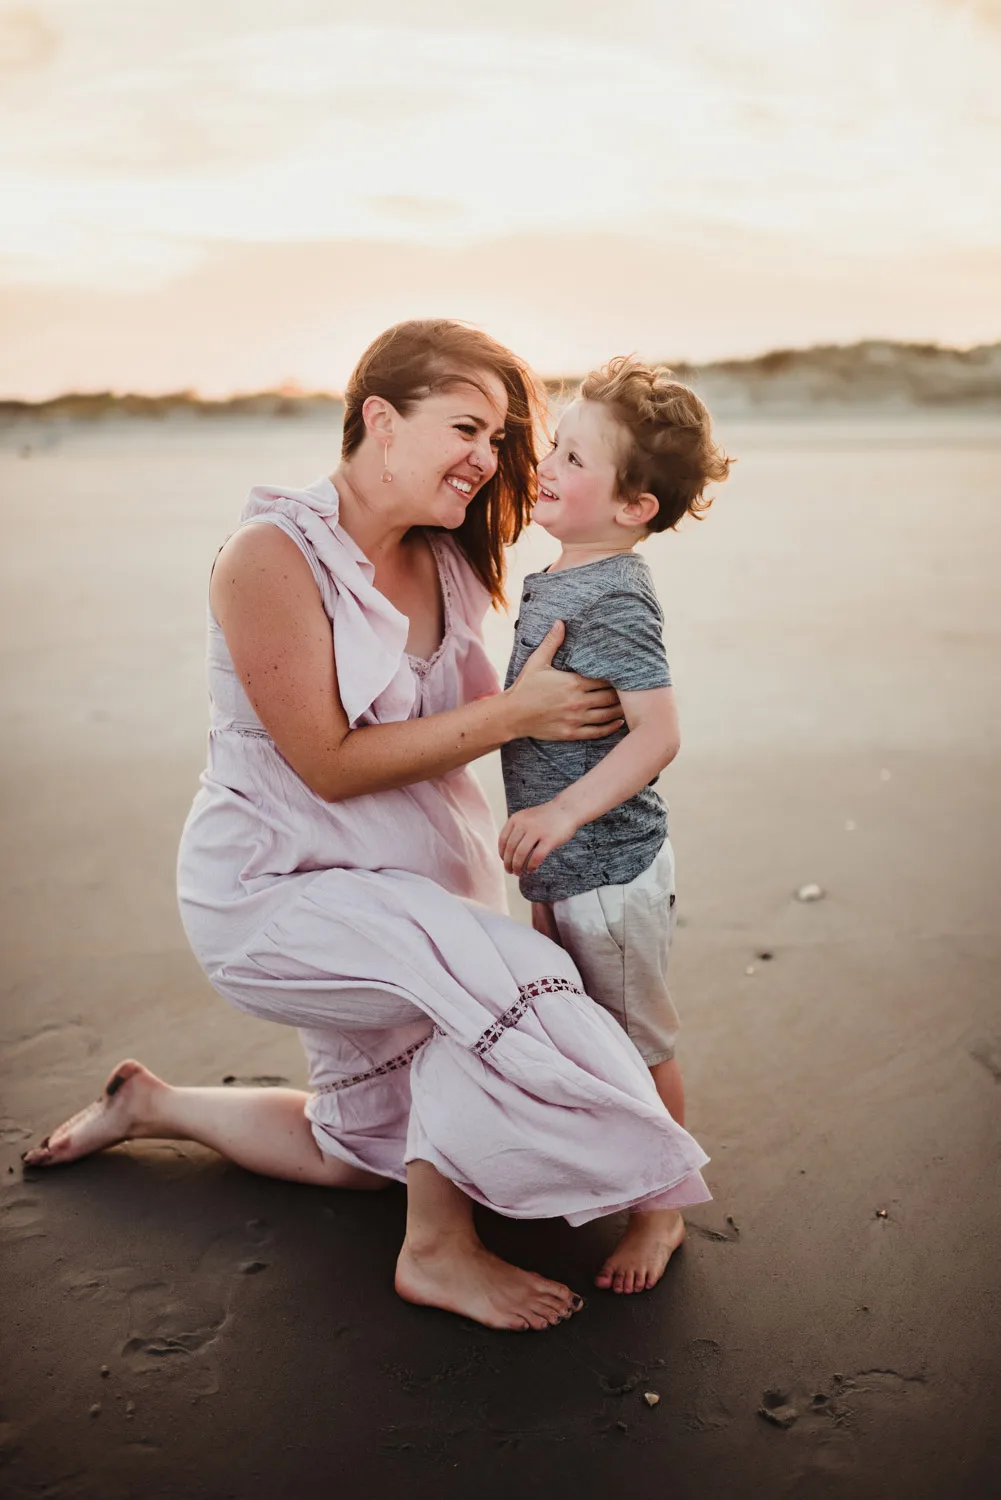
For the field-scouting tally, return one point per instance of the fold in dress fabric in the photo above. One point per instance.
(435, 1026)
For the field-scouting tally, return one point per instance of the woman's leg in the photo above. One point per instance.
(264, 1130)
(444, 1264)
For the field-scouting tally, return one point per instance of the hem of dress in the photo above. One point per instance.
(688, 1191)
(329, 1145)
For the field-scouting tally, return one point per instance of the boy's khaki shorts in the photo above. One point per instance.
(619, 937)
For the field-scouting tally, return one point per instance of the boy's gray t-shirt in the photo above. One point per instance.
(614, 629)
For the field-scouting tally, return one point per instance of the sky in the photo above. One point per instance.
(226, 195)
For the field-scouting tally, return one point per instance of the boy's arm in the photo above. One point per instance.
(651, 744)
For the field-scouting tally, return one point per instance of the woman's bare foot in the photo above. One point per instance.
(461, 1276)
(122, 1111)
(640, 1258)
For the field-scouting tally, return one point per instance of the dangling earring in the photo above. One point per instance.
(387, 477)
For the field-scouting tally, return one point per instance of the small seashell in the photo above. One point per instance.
(850, 825)
(809, 892)
(884, 774)
(881, 1213)
(651, 1398)
(749, 969)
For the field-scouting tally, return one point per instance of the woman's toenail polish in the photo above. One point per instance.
(578, 1303)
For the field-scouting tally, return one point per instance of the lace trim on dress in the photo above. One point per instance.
(552, 984)
(421, 665)
(401, 1060)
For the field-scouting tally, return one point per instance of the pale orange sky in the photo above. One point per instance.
(226, 195)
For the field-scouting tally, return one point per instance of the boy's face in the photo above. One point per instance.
(578, 478)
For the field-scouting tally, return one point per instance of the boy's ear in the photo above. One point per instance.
(639, 511)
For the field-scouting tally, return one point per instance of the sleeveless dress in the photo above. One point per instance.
(435, 1026)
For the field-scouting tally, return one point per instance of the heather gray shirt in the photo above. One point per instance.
(614, 631)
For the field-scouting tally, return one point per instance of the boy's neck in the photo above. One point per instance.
(577, 554)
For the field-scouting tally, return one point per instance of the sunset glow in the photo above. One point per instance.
(232, 194)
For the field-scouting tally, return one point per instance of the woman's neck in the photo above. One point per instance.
(368, 514)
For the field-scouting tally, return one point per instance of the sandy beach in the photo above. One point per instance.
(175, 1327)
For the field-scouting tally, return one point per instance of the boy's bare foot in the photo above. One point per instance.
(119, 1114)
(640, 1258)
(463, 1277)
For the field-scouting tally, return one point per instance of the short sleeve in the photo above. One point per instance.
(619, 638)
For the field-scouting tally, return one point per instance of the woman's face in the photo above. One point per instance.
(446, 450)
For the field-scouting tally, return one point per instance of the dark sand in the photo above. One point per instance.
(834, 629)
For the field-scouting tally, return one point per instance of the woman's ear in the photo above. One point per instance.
(639, 511)
(378, 415)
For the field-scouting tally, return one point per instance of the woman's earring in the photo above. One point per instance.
(387, 477)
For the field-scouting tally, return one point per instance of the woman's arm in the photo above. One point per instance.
(266, 601)
(651, 744)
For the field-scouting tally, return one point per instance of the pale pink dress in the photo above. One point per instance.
(435, 1026)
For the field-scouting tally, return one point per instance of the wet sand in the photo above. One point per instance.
(176, 1327)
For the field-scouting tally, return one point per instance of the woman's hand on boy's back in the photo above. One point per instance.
(528, 836)
(548, 704)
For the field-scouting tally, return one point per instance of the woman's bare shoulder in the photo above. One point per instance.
(259, 562)
(258, 544)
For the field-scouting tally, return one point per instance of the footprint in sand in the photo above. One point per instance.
(12, 1132)
(21, 1219)
(708, 1411)
(52, 1042)
(258, 1081)
(727, 1234)
(833, 1411)
(174, 1328)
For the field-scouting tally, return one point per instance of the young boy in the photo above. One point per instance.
(587, 832)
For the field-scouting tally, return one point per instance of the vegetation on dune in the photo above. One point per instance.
(874, 373)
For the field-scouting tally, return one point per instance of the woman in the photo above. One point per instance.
(338, 871)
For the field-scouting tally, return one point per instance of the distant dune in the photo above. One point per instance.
(875, 375)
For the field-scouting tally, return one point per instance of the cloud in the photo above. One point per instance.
(415, 210)
(988, 12)
(27, 41)
(777, 143)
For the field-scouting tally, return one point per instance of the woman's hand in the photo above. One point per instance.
(528, 836)
(548, 704)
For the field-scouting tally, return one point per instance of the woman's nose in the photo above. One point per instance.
(483, 457)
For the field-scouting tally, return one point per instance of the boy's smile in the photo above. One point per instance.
(578, 478)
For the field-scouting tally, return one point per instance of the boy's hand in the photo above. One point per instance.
(528, 836)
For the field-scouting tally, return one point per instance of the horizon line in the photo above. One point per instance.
(291, 390)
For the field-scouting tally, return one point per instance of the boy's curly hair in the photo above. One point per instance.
(667, 447)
